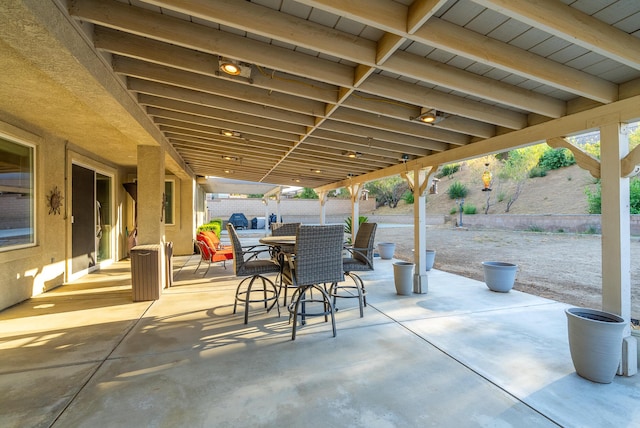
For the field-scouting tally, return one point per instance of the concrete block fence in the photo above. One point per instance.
(337, 210)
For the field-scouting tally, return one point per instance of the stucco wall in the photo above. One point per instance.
(29, 271)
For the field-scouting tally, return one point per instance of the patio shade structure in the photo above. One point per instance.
(329, 94)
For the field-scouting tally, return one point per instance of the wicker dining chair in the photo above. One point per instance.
(316, 262)
(284, 229)
(360, 260)
(247, 263)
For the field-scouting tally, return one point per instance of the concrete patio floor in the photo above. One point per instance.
(85, 355)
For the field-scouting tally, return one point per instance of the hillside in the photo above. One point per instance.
(561, 191)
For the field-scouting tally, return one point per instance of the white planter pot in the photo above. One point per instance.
(499, 276)
(431, 257)
(595, 342)
(403, 277)
(386, 250)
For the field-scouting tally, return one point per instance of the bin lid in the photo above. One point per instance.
(146, 247)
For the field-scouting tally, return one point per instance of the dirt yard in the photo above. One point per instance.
(560, 266)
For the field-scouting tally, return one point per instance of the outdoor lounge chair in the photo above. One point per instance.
(211, 255)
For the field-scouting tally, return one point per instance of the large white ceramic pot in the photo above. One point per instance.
(595, 342)
(386, 250)
(431, 258)
(403, 277)
(499, 276)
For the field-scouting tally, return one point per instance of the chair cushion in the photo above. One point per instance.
(256, 267)
(206, 250)
(351, 265)
(222, 255)
(212, 238)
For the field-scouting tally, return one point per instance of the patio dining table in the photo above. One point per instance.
(281, 246)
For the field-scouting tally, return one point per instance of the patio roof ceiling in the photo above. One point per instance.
(331, 89)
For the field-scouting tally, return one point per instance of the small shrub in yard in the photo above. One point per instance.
(449, 170)
(556, 158)
(501, 196)
(536, 171)
(408, 198)
(457, 190)
(591, 230)
(453, 210)
(534, 228)
(469, 209)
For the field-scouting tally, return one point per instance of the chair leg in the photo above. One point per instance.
(358, 288)
(298, 302)
(245, 295)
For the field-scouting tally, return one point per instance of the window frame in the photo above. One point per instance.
(33, 178)
(170, 202)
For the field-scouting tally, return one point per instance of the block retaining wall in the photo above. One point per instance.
(308, 211)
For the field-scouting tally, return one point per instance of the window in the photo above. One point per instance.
(17, 175)
(168, 201)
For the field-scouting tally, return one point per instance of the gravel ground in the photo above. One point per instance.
(560, 266)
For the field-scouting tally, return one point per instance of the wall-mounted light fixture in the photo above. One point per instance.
(430, 116)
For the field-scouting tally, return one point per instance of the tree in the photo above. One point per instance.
(308, 193)
(516, 168)
(387, 191)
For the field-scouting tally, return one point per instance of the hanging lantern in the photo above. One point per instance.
(486, 178)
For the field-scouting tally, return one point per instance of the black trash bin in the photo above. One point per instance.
(146, 272)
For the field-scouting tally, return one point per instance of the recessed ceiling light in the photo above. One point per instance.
(352, 155)
(430, 116)
(230, 133)
(317, 171)
(230, 67)
(229, 158)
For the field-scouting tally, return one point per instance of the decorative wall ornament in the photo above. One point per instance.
(54, 201)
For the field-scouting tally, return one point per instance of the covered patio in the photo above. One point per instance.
(86, 355)
(324, 94)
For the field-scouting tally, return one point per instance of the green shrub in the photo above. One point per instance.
(537, 171)
(453, 210)
(449, 170)
(457, 190)
(469, 209)
(594, 200)
(556, 158)
(591, 230)
(501, 196)
(214, 226)
(634, 196)
(347, 225)
(534, 228)
(408, 198)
